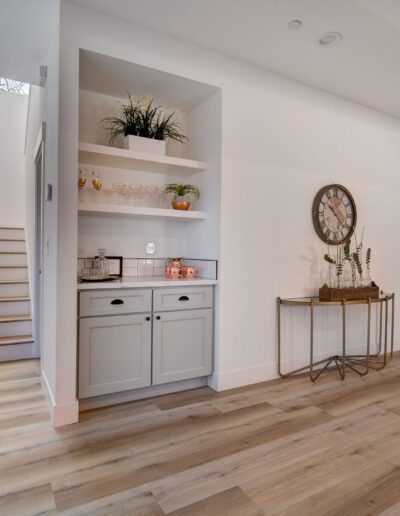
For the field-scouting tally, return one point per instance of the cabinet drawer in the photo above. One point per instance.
(113, 302)
(185, 298)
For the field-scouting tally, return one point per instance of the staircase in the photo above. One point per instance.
(16, 341)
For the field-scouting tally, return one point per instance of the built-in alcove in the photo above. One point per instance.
(103, 84)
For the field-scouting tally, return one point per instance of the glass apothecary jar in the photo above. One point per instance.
(102, 265)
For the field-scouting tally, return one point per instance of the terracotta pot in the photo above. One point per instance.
(181, 202)
(181, 205)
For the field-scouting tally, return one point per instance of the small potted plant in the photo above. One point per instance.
(182, 195)
(145, 126)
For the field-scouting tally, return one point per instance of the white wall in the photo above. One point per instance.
(44, 107)
(281, 141)
(26, 29)
(13, 112)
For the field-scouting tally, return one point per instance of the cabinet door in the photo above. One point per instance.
(114, 354)
(182, 345)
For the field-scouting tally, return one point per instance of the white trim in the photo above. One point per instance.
(63, 413)
(140, 394)
(47, 391)
(39, 139)
(246, 376)
(12, 226)
(269, 371)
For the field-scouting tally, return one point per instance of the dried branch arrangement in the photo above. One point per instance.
(349, 255)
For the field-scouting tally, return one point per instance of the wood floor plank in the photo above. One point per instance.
(281, 447)
(143, 504)
(30, 502)
(220, 437)
(233, 502)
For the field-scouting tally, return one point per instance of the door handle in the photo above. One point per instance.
(183, 298)
(117, 302)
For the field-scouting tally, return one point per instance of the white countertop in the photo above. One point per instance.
(143, 282)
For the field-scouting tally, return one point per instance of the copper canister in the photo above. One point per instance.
(189, 272)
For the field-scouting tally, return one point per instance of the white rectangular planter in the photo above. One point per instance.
(146, 145)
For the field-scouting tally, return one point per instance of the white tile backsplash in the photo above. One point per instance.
(138, 267)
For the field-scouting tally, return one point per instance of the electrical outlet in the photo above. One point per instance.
(150, 248)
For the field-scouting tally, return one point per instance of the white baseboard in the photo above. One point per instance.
(269, 371)
(140, 394)
(63, 413)
(240, 377)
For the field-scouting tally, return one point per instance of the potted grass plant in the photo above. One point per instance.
(145, 126)
(182, 195)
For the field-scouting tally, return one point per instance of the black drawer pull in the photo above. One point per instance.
(183, 298)
(148, 318)
(117, 302)
(158, 317)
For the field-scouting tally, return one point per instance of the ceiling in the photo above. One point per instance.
(364, 67)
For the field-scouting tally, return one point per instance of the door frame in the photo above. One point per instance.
(37, 273)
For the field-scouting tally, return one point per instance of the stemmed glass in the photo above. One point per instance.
(121, 189)
(153, 195)
(96, 183)
(137, 194)
(81, 182)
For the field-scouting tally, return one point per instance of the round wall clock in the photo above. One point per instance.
(334, 214)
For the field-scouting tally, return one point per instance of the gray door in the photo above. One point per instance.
(182, 345)
(114, 354)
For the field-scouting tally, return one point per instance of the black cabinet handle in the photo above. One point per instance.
(183, 298)
(117, 302)
(148, 318)
(158, 317)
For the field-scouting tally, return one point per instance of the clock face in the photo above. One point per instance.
(334, 214)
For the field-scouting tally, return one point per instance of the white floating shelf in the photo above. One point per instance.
(102, 155)
(139, 211)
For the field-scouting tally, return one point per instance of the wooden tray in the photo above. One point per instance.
(349, 294)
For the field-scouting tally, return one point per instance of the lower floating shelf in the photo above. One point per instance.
(139, 211)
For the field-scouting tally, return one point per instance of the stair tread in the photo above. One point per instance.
(12, 252)
(12, 239)
(15, 318)
(12, 282)
(20, 339)
(13, 266)
(14, 298)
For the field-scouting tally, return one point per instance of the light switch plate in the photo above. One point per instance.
(49, 192)
(150, 248)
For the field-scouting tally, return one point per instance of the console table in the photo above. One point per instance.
(360, 364)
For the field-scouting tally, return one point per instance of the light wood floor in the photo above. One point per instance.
(282, 447)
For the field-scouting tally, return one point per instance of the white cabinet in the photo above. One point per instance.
(182, 345)
(121, 349)
(114, 354)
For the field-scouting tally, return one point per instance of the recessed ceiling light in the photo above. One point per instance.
(328, 39)
(295, 24)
